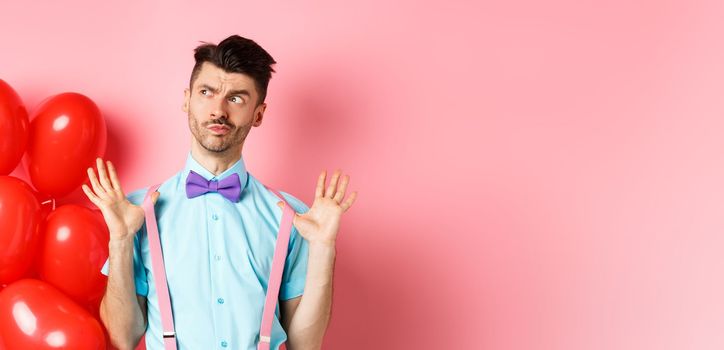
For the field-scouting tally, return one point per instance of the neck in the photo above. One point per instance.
(215, 162)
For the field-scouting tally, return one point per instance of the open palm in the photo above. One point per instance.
(321, 222)
(122, 217)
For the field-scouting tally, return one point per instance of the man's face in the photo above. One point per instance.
(222, 108)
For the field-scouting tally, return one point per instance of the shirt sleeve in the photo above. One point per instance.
(295, 267)
(139, 271)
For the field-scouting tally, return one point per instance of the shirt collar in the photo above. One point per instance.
(238, 167)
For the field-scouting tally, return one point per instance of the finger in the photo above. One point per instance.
(280, 204)
(93, 198)
(103, 175)
(97, 188)
(114, 177)
(331, 189)
(319, 192)
(348, 203)
(296, 220)
(342, 188)
(154, 197)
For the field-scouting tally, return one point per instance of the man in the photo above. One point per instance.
(217, 251)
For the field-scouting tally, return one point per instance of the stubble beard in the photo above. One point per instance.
(217, 143)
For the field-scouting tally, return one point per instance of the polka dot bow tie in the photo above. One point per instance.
(229, 187)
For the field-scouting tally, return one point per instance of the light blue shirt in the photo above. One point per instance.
(218, 256)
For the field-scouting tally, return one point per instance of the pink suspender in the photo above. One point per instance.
(159, 273)
(275, 277)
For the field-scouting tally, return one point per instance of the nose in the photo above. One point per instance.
(218, 108)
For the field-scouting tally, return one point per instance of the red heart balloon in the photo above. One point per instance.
(35, 315)
(74, 247)
(67, 134)
(19, 229)
(13, 128)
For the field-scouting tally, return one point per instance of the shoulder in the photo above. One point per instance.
(167, 186)
(297, 204)
(259, 188)
(136, 197)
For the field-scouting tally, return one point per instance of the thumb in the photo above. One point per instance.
(296, 217)
(154, 196)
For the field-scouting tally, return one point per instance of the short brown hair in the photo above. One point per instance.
(236, 54)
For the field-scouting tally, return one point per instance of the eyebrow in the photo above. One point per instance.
(231, 93)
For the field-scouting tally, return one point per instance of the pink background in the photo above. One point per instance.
(532, 175)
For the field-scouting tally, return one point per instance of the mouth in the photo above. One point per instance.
(218, 129)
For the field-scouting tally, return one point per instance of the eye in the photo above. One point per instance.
(203, 92)
(237, 98)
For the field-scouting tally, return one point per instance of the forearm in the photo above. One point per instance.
(119, 309)
(309, 323)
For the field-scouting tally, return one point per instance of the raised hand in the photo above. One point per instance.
(123, 218)
(321, 223)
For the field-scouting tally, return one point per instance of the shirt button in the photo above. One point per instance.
(224, 343)
(217, 257)
(220, 300)
(214, 216)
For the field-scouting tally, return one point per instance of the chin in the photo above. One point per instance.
(219, 147)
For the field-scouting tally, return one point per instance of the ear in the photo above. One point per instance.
(187, 97)
(259, 114)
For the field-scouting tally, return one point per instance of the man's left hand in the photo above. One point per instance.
(320, 224)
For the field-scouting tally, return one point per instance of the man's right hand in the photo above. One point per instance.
(123, 218)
